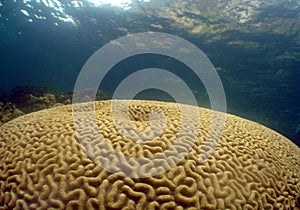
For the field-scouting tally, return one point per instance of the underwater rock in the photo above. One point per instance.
(20, 91)
(30, 99)
(30, 103)
(8, 111)
(65, 98)
(87, 95)
(45, 166)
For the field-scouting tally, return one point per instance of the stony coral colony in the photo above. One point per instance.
(45, 165)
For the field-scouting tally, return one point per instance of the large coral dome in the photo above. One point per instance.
(46, 161)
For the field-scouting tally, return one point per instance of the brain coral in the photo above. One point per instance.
(43, 165)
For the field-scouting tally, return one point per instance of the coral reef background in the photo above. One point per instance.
(23, 100)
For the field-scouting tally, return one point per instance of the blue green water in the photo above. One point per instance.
(255, 51)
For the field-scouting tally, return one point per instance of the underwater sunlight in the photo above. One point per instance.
(119, 3)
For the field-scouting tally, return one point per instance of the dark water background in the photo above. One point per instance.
(259, 66)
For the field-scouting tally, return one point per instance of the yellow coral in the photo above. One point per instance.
(43, 165)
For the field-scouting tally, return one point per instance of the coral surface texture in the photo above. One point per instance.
(49, 160)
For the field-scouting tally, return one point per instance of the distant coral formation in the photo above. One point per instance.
(26, 99)
(8, 111)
